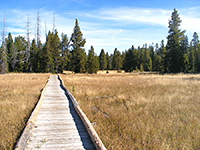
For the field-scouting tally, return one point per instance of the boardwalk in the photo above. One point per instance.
(57, 126)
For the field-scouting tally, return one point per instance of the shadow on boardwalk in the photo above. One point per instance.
(85, 138)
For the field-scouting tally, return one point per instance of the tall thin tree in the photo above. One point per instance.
(92, 62)
(3, 51)
(27, 61)
(175, 52)
(102, 60)
(78, 61)
(45, 29)
(38, 29)
(54, 19)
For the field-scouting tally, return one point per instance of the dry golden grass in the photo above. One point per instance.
(135, 111)
(18, 95)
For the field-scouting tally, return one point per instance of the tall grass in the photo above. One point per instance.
(18, 96)
(133, 111)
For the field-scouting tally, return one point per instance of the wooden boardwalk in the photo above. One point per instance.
(57, 126)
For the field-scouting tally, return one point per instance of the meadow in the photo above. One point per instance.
(19, 94)
(128, 110)
(140, 111)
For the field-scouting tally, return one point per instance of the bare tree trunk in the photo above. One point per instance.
(38, 29)
(27, 52)
(3, 52)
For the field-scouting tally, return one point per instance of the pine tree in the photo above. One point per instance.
(147, 63)
(157, 62)
(108, 60)
(186, 63)
(184, 47)
(175, 53)
(34, 56)
(102, 60)
(164, 60)
(78, 60)
(92, 62)
(117, 60)
(56, 52)
(123, 55)
(12, 54)
(152, 55)
(196, 48)
(46, 62)
(111, 61)
(40, 48)
(150, 65)
(141, 68)
(130, 62)
(65, 51)
(195, 41)
(140, 57)
(185, 44)
(191, 59)
(20, 44)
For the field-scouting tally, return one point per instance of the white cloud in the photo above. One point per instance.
(138, 25)
(126, 15)
(190, 23)
(190, 20)
(106, 28)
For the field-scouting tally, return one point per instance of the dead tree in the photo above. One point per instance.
(45, 29)
(38, 29)
(53, 23)
(3, 52)
(27, 51)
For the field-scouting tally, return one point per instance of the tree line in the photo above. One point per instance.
(57, 55)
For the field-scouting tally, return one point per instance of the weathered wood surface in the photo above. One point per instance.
(57, 126)
(93, 135)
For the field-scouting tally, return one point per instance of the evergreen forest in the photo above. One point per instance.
(60, 53)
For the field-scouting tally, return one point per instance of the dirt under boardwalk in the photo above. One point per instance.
(57, 125)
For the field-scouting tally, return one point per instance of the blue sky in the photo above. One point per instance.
(107, 24)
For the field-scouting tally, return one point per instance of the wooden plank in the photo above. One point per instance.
(64, 134)
(55, 121)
